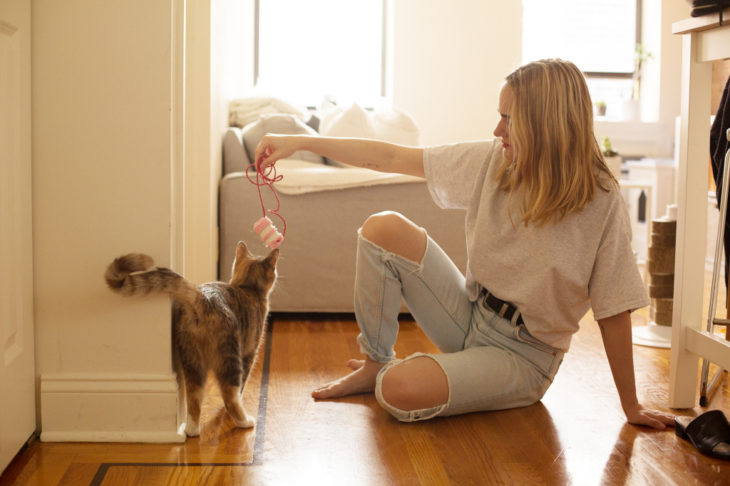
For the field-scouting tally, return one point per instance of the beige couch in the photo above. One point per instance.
(323, 207)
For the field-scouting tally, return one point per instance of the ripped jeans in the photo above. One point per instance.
(489, 362)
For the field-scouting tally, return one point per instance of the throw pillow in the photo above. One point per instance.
(243, 111)
(345, 122)
(282, 124)
(395, 126)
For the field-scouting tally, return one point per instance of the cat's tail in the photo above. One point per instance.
(135, 274)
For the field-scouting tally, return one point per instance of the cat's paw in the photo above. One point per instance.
(247, 422)
(192, 429)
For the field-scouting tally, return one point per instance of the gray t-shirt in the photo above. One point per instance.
(553, 273)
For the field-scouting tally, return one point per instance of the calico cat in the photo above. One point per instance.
(216, 327)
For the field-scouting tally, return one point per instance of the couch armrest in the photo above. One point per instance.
(235, 158)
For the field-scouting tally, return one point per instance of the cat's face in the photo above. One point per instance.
(249, 271)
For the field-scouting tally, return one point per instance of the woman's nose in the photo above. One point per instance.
(499, 129)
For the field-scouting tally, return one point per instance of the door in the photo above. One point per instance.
(17, 375)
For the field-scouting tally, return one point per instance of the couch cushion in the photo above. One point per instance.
(283, 124)
(300, 177)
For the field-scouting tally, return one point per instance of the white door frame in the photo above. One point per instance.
(17, 346)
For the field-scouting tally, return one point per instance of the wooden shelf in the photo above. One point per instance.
(697, 24)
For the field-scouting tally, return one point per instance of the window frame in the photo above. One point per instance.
(637, 41)
(610, 75)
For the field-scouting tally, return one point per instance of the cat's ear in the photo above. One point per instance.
(273, 257)
(241, 251)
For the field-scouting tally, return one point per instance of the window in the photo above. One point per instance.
(599, 36)
(310, 50)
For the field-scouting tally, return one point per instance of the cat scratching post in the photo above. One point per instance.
(660, 265)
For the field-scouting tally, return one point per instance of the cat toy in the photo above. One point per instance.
(264, 227)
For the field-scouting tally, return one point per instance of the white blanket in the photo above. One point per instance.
(300, 177)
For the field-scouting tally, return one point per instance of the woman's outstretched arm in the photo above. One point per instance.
(358, 152)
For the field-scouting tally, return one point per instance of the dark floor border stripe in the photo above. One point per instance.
(258, 447)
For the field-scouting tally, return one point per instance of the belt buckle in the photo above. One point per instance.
(504, 309)
(485, 300)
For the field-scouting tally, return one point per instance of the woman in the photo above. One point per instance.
(548, 238)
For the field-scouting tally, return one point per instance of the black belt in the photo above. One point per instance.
(501, 308)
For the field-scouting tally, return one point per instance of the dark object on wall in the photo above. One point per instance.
(704, 7)
(718, 148)
(641, 211)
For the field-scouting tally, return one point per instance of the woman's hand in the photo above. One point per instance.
(272, 148)
(651, 418)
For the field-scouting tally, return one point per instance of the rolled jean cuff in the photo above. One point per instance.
(406, 415)
(370, 352)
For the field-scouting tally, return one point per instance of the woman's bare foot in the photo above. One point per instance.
(361, 380)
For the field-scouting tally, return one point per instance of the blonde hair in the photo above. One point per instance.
(557, 161)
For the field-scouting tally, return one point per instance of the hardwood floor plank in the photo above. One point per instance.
(79, 473)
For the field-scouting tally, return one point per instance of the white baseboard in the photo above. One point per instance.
(101, 436)
(105, 407)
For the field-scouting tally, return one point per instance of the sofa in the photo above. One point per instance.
(323, 202)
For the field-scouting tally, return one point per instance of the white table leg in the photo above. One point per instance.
(691, 222)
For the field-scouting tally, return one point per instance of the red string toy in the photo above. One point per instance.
(263, 226)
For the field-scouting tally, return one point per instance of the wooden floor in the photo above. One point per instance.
(576, 435)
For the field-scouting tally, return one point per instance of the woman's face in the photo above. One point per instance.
(502, 130)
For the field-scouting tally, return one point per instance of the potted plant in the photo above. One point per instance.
(630, 107)
(599, 108)
(641, 55)
(612, 158)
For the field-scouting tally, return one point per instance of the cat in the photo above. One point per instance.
(216, 326)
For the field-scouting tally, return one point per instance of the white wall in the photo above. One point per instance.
(105, 148)
(449, 60)
(130, 102)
